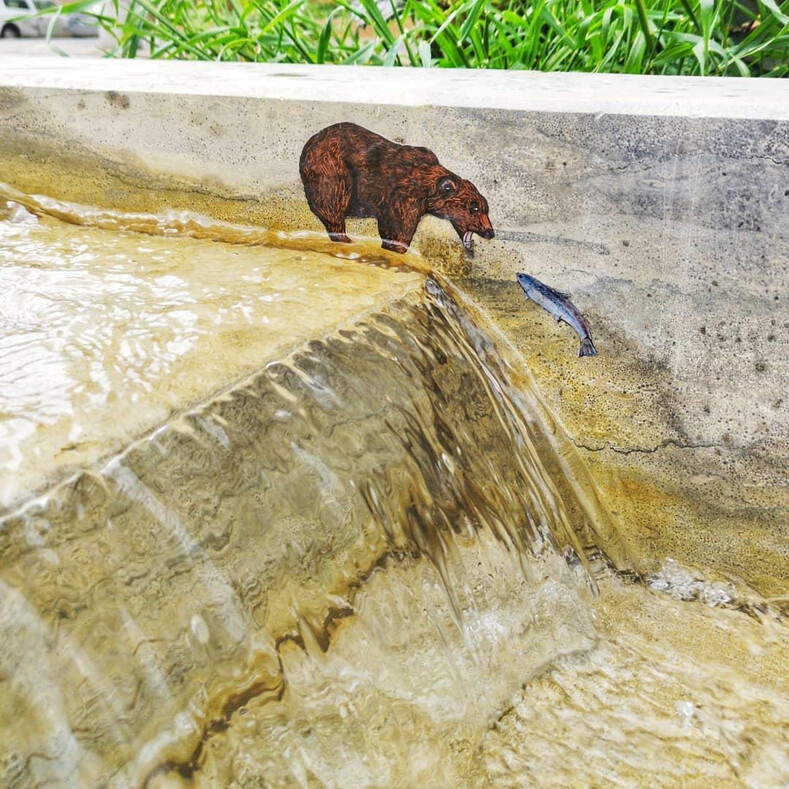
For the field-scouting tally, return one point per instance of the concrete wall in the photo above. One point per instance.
(662, 204)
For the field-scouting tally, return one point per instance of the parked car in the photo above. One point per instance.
(16, 20)
(13, 27)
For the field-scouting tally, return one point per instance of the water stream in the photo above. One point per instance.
(276, 518)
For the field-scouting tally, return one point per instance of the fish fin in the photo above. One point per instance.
(587, 347)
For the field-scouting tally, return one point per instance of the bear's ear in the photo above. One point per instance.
(446, 186)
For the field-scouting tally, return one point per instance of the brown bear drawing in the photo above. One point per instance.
(350, 171)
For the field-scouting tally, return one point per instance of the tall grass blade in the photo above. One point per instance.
(471, 19)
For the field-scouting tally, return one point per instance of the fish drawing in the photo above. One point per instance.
(560, 306)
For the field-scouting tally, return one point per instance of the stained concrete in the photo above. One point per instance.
(660, 203)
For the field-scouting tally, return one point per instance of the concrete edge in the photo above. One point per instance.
(530, 91)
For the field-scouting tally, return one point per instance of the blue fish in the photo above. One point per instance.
(560, 306)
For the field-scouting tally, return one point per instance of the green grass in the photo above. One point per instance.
(701, 37)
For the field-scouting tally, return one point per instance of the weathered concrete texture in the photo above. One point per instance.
(661, 204)
(713, 504)
(673, 236)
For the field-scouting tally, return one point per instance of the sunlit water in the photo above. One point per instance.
(103, 335)
(301, 549)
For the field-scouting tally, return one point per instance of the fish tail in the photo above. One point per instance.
(587, 347)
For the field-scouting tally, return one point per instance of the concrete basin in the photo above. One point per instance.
(272, 506)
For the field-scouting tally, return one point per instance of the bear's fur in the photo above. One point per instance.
(350, 171)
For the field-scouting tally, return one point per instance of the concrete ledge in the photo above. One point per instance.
(690, 97)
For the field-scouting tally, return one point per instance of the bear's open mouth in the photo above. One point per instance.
(467, 238)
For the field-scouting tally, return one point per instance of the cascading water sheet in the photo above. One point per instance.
(341, 566)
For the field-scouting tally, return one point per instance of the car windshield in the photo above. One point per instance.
(43, 5)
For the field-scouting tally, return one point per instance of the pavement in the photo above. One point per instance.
(71, 47)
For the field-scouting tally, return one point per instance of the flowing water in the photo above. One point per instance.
(275, 518)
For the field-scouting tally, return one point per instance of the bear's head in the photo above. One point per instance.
(458, 200)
